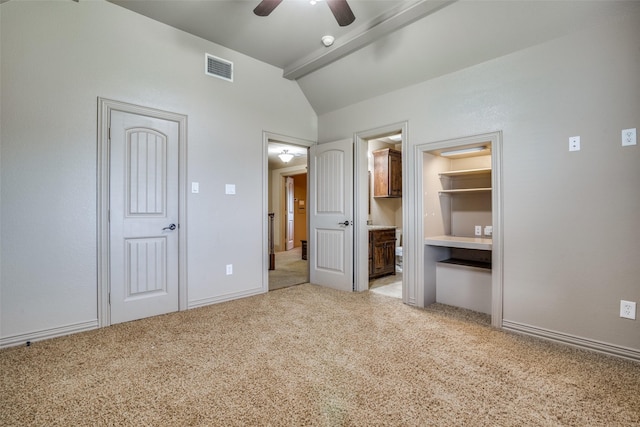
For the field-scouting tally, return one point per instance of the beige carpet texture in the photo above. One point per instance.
(310, 356)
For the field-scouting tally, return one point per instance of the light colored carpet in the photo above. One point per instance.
(290, 270)
(307, 355)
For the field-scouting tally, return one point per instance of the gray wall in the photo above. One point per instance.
(571, 234)
(57, 58)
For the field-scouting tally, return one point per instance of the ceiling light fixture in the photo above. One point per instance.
(463, 151)
(327, 40)
(285, 156)
(397, 137)
(312, 2)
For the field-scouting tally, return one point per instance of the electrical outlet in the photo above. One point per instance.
(574, 143)
(629, 137)
(488, 230)
(478, 230)
(628, 309)
(229, 269)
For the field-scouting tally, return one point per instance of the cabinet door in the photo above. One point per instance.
(395, 174)
(379, 258)
(381, 173)
(387, 173)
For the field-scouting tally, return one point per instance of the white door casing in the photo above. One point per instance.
(290, 225)
(143, 216)
(331, 215)
(107, 107)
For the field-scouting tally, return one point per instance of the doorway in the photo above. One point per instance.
(287, 219)
(381, 218)
(141, 212)
(384, 223)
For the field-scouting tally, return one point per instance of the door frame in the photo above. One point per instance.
(105, 107)
(266, 138)
(361, 203)
(417, 243)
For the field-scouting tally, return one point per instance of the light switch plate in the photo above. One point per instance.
(230, 189)
(629, 137)
(574, 143)
(195, 187)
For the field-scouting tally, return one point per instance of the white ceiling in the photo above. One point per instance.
(391, 45)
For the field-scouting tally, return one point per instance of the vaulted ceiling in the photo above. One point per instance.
(392, 43)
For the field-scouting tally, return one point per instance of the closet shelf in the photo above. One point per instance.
(465, 190)
(481, 171)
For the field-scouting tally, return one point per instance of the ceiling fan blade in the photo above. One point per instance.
(266, 7)
(342, 12)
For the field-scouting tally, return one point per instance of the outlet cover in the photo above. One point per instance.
(629, 137)
(478, 230)
(628, 309)
(574, 143)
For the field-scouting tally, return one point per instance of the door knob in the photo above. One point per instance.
(346, 223)
(170, 227)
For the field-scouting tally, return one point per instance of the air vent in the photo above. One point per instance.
(218, 67)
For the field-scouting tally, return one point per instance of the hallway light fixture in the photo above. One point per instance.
(463, 151)
(285, 156)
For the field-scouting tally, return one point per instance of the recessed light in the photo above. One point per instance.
(463, 151)
(327, 40)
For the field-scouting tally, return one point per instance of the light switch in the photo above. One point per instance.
(230, 189)
(629, 137)
(195, 187)
(574, 143)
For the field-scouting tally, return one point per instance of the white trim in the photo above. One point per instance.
(225, 297)
(105, 107)
(416, 238)
(266, 138)
(572, 340)
(45, 334)
(361, 194)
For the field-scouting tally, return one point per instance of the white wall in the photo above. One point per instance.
(570, 219)
(56, 59)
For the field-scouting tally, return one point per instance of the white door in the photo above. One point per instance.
(289, 207)
(143, 225)
(331, 215)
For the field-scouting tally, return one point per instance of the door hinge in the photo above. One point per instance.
(109, 298)
(109, 134)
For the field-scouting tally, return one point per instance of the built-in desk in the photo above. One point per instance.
(460, 242)
(458, 272)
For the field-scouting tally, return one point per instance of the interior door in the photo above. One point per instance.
(290, 227)
(143, 209)
(331, 215)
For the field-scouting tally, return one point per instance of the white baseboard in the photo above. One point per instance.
(572, 340)
(224, 297)
(21, 339)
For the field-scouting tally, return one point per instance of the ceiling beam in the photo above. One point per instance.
(363, 35)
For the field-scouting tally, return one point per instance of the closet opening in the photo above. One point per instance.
(461, 190)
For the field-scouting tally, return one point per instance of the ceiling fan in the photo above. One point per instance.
(339, 8)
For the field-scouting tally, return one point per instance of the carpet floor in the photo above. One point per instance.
(307, 355)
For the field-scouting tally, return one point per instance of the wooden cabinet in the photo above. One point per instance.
(382, 252)
(387, 173)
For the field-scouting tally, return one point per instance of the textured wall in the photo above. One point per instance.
(570, 219)
(57, 58)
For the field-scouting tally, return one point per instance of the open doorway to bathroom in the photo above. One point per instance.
(384, 214)
(287, 206)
